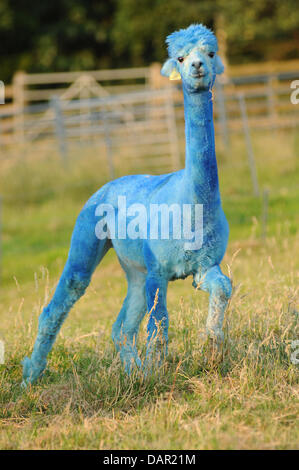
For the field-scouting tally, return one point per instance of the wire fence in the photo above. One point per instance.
(136, 110)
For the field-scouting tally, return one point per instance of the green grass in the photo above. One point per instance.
(246, 399)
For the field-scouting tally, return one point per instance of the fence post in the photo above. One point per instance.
(220, 98)
(108, 144)
(84, 94)
(59, 127)
(156, 81)
(250, 154)
(271, 101)
(18, 86)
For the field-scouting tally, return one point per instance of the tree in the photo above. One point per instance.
(91, 34)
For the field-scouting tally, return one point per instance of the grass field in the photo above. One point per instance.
(247, 400)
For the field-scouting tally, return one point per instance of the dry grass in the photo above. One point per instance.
(246, 400)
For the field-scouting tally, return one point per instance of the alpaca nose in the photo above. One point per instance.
(196, 64)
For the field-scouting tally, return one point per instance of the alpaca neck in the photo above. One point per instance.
(201, 165)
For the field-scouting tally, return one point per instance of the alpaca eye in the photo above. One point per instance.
(181, 59)
(211, 54)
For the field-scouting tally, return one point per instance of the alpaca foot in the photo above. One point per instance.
(130, 361)
(131, 365)
(32, 372)
(216, 337)
(214, 347)
(152, 364)
(155, 357)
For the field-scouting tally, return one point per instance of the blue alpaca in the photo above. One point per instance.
(151, 262)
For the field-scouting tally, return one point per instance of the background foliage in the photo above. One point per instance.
(74, 34)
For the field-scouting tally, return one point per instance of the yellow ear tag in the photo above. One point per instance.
(175, 75)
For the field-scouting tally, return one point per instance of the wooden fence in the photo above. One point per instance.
(138, 125)
(266, 99)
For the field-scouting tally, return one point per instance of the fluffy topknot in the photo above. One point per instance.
(181, 40)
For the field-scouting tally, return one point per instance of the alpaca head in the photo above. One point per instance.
(193, 58)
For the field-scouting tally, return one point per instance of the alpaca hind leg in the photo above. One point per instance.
(157, 328)
(85, 253)
(125, 329)
(117, 326)
(219, 287)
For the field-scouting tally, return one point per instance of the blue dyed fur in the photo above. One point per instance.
(150, 264)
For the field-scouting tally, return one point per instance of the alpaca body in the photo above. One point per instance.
(169, 258)
(151, 262)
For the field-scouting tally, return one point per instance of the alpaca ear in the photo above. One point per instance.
(170, 70)
(219, 67)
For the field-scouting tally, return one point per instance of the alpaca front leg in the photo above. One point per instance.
(157, 328)
(219, 287)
